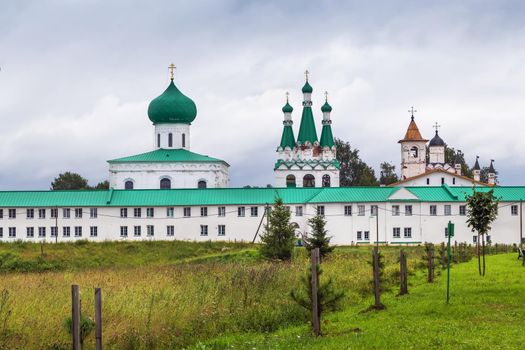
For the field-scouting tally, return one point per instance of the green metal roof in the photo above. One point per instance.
(239, 196)
(288, 138)
(307, 88)
(287, 108)
(326, 107)
(327, 139)
(172, 107)
(168, 155)
(307, 128)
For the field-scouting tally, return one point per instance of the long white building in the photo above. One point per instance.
(356, 215)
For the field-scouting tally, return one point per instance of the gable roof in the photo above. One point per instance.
(162, 155)
(439, 170)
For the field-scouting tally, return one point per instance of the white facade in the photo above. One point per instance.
(413, 158)
(438, 178)
(172, 136)
(281, 174)
(180, 174)
(397, 223)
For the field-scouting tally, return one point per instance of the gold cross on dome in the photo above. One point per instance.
(172, 67)
(412, 111)
(306, 73)
(436, 126)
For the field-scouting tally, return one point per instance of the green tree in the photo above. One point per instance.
(453, 156)
(69, 181)
(388, 174)
(328, 297)
(482, 211)
(104, 185)
(279, 233)
(484, 175)
(353, 171)
(319, 236)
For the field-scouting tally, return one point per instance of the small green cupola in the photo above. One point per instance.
(327, 139)
(287, 138)
(172, 107)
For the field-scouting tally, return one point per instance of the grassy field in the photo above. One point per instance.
(166, 295)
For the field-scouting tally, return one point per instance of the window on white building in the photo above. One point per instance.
(165, 184)
(326, 180)
(66, 231)
(93, 231)
(433, 210)
(66, 213)
(137, 231)
(41, 232)
(367, 235)
(123, 231)
(93, 213)
(54, 213)
(30, 213)
(298, 210)
(150, 230)
(395, 210)
(54, 231)
(320, 210)
(348, 210)
(396, 232)
(221, 211)
(448, 209)
(187, 212)
(137, 212)
(12, 232)
(241, 211)
(204, 230)
(78, 231)
(170, 231)
(1, 232)
(128, 185)
(150, 212)
(41, 213)
(1, 213)
(123, 212)
(221, 230)
(204, 211)
(462, 210)
(408, 232)
(170, 140)
(254, 211)
(308, 181)
(30, 232)
(408, 210)
(514, 210)
(170, 212)
(202, 184)
(361, 210)
(474, 239)
(78, 213)
(373, 210)
(12, 213)
(359, 235)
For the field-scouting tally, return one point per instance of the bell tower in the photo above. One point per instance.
(413, 150)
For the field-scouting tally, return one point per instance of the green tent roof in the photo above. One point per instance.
(307, 130)
(327, 139)
(168, 155)
(240, 196)
(288, 138)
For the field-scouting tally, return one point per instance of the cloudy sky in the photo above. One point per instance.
(77, 76)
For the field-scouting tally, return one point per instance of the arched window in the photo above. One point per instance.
(202, 184)
(290, 181)
(170, 140)
(308, 181)
(158, 140)
(128, 185)
(414, 152)
(326, 180)
(165, 184)
(183, 140)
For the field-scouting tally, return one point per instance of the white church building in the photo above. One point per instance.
(171, 193)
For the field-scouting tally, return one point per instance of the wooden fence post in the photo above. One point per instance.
(377, 293)
(431, 264)
(98, 319)
(316, 322)
(443, 255)
(403, 275)
(75, 316)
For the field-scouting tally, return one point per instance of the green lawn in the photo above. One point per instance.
(484, 313)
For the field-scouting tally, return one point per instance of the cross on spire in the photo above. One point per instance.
(326, 96)
(287, 95)
(306, 73)
(436, 126)
(172, 67)
(412, 111)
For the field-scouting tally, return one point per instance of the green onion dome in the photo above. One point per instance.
(172, 107)
(326, 107)
(307, 88)
(287, 108)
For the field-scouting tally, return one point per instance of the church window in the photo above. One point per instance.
(202, 184)
(442, 180)
(221, 211)
(326, 180)
(187, 212)
(408, 210)
(170, 230)
(204, 230)
(123, 231)
(30, 232)
(204, 211)
(158, 140)
(128, 185)
(299, 211)
(514, 210)
(150, 212)
(221, 230)
(170, 140)
(348, 210)
(453, 180)
(308, 181)
(150, 230)
(254, 211)
(183, 140)
(428, 181)
(290, 181)
(241, 211)
(414, 152)
(30, 213)
(165, 184)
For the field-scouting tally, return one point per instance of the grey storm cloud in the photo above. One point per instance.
(77, 76)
